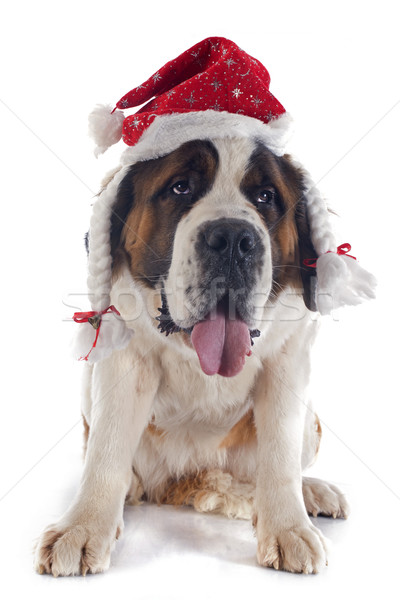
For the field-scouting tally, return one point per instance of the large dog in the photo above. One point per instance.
(205, 405)
(228, 214)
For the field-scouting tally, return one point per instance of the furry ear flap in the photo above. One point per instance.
(306, 249)
(96, 341)
(340, 279)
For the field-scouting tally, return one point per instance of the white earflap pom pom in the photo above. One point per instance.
(105, 127)
(113, 334)
(341, 281)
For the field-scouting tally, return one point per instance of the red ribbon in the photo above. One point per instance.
(342, 249)
(83, 317)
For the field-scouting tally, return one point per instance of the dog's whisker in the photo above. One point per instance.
(278, 285)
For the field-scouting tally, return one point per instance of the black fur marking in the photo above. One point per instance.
(254, 333)
(165, 323)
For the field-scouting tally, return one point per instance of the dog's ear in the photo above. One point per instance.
(306, 251)
(295, 181)
(122, 206)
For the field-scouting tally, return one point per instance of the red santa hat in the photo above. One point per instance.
(213, 90)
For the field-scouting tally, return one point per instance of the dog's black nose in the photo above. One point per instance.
(231, 255)
(230, 238)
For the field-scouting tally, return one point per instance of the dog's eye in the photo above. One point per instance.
(266, 196)
(181, 187)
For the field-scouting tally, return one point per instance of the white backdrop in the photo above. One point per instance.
(334, 66)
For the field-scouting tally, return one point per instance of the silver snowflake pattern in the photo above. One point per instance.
(256, 101)
(135, 123)
(125, 104)
(191, 100)
(170, 93)
(216, 84)
(197, 60)
(236, 93)
(216, 107)
(156, 77)
(230, 62)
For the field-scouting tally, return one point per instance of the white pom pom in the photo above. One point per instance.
(105, 127)
(341, 281)
(82, 341)
(113, 335)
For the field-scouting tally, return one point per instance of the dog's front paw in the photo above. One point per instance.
(299, 549)
(323, 498)
(75, 549)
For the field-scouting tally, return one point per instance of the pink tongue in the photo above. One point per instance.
(221, 344)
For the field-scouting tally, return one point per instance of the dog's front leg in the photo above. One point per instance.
(123, 391)
(286, 537)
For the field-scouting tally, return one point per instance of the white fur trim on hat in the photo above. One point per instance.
(168, 132)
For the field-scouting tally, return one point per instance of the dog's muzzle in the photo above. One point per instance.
(230, 249)
(230, 255)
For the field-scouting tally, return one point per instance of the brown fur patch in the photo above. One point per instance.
(147, 210)
(286, 224)
(153, 430)
(183, 491)
(241, 434)
(211, 491)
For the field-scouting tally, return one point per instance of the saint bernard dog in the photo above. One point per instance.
(206, 406)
